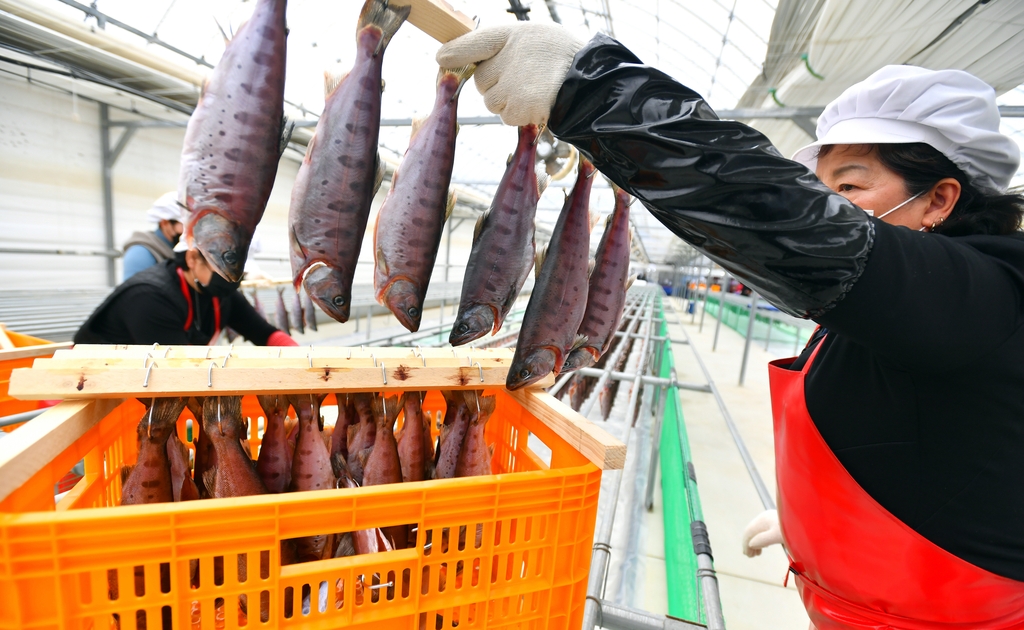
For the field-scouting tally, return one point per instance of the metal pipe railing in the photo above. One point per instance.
(762, 491)
(602, 550)
(613, 360)
(18, 418)
(615, 617)
(629, 308)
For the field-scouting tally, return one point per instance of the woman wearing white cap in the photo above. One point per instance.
(145, 249)
(900, 430)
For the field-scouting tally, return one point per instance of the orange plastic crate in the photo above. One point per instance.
(529, 570)
(22, 351)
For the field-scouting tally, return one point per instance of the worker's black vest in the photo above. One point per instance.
(165, 278)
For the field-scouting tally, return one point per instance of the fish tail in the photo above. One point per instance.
(462, 74)
(387, 19)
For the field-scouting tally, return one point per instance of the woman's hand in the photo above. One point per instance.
(763, 531)
(520, 67)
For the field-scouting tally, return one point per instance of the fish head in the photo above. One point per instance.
(327, 287)
(403, 299)
(224, 244)
(578, 358)
(531, 368)
(472, 323)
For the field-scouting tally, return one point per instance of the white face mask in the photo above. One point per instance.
(895, 208)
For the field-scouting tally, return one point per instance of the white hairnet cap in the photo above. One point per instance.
(165, 207)
(953, 111)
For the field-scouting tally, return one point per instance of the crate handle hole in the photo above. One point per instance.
(218, 570)
(289, 602)
(140, 580)
(165, 577)
(264, 606)
(339, 594)
(305, 599)
(113, 588)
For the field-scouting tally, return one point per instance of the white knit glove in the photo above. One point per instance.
(763, 531)
(520, 67)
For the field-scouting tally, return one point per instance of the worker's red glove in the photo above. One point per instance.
(278, 338)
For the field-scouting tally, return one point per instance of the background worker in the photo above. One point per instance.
(180, 301)
(899, 431)
(144, 249)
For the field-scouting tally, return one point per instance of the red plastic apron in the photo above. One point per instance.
(856, 565)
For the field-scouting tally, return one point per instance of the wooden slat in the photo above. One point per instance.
(592, 441)
(32, 447)
(33, 351)
(43, 384)
(329, 353)
(437, 18)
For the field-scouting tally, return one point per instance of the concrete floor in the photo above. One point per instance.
(751, 588)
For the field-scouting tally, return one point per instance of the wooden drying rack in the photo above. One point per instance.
(437, 18)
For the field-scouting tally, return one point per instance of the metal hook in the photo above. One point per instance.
(481, 371)
(350, 353)
(145, 381)
(279, 351)
(230, 348)
(374, 359)
(208, 350)
(209, 374)
(149, 419)
(384, 372)
(309, 355)
(145, 359)
(385, 585)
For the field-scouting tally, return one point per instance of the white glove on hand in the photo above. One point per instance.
(520, 67)
(763, 531)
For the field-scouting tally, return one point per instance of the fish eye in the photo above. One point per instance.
(462, 328)
(413, 311)
(339, 300)
(524, 373)
(230, 257)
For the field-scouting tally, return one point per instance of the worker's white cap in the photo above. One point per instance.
(951, 110)
(165, 207)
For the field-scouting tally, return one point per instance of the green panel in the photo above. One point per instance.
(681, 506)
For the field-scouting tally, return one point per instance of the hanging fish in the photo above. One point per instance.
(308, 310)
(234, 474)
(346, 417)
(415, 446)
(282, 312)
(362, 435)
(234, 141)
(559, 299)
(606, 295)
(183, 487)
(298, 321)
(475, 457)
(503, 246)
(257, 305)
(382, 466)
(341, 172)
(311, 469)
(453, 434)
(409, 225)
(149, 481)
(274, 465)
